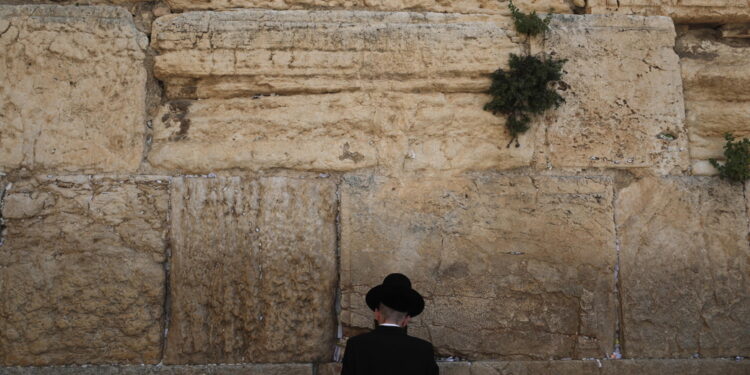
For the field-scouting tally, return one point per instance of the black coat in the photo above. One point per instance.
(388, 351)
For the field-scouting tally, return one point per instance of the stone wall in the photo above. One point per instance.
(191, 188)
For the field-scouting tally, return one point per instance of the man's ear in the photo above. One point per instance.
(405, 321)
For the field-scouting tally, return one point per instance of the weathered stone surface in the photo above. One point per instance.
(253, 274)
(623, 94)
(73, 89)
(716, 77)
(685, 268)
(338, 132)
(511, 267)
(535, 368)
(244, 369)
(449, 6)
(251, 52)
(81, 274)
(676, 366)
(682, 11)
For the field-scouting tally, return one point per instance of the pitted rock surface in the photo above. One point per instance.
(73, 89)
(685, 268)
(81, 271)
(511, 267)
(253, 270)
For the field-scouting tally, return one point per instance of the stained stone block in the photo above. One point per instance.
(253, 270)
(73, 89)
(716, 75)
(450, 6)
(253, 52)
(676, 366)
(685, 268)
(81, 271)
(336, 132)
(244, 369)
(511, 267)
(623, 95)
(682, 11)
(535, 368)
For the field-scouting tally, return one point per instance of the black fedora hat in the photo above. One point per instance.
(396, 293)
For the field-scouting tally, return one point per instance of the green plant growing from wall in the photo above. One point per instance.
(529, 24)
(737, 165)
(523, 90)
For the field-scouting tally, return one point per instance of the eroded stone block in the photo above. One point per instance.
(81, 271)
(511, 267)
(682, 11)
(684, 268)
(251, 52)
(73, 89)
(623, 95)
(243, 369)
(253, 274)
(716, 76)
(449, 6)
(337, 132)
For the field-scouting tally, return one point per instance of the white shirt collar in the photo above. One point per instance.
(390, 325)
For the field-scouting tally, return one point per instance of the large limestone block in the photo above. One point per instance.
(716, 77)
(623, 93)
(337, 132)
(685, 268)
(250, 52)
(253, 270)
(81, 271)
(511, 267)
(443, 6)
(682, 11)
(535, 368)
(73, 89)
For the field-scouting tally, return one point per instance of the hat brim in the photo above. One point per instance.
(398, 298)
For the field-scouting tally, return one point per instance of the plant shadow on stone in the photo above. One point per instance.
(524, 89)
(736, 168)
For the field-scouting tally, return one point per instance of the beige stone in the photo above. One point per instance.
(81, 271)
(678, 366)
(682, 11)
(716, 75)
(511, 267)
(252, 52)
(684, 268)
(623, 93)
(337, 132)
(72, 97)
(253, 273)
(449, 6)
(244, 369)
(535, 368)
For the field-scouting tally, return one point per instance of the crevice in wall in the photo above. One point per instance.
(3, 190)
(622, 180)
(337, 300)
(167, 307)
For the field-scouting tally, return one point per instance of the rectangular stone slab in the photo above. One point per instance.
(449, 6)
(511, 267)
(73, 89)
(336, 132)
(716, 76)
(251, 52)
(685, 268)
(253, 270)
(623, 95)
(682, 11)
(82, 278)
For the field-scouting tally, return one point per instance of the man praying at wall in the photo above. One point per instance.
(388, 350)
